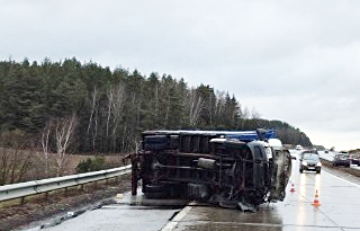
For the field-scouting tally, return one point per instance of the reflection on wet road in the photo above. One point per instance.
(339, 209)
(118, 217)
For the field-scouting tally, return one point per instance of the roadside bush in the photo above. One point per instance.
(15, 159)
(90, 165)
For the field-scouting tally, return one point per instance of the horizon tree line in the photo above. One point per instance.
(110, 109)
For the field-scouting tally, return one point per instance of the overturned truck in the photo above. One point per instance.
(231, 169)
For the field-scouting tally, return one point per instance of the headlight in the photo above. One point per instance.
(319, 164)
(304, 163)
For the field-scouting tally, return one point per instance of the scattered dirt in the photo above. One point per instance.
(13, 215)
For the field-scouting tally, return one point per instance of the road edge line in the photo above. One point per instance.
(175, 221)
(347, 181)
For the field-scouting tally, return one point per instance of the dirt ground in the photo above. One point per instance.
(75, 201)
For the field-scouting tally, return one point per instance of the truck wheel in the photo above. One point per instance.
(155, 195)
(301, 171)
(318, 171)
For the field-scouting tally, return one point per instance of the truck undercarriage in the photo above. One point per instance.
(230, 169)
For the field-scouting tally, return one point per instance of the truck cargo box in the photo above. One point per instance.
(227, 168)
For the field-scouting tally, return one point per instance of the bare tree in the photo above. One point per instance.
(246, 113)
(92, 130)
(237, 116)
(166, 94)
(45, 136)
(255, 114)
(110, 97)
(93, 106)
(219, 106)
(194, 105)
(156, 109)
(245, 116)
(64, 130)
(116, 103)
(14, 163)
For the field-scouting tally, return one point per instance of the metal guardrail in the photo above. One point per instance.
(21, 190)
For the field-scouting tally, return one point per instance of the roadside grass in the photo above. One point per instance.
(39, 167)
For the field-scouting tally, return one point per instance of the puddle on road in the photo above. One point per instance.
(203, 218)
(124, 202)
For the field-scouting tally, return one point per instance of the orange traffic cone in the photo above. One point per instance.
(292, 189)
(316, 200)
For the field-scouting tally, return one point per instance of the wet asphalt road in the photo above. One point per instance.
(118, 217)
(339, 210)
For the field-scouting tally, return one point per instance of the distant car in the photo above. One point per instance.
(341, 159)
(354, 158)
(307, 151)
(299, 147)
(310, 161)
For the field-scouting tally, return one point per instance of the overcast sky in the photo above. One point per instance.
(297, 61)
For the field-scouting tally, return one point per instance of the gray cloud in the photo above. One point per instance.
(297, 61)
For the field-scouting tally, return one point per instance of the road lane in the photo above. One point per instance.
(339, 209)
(127, 213)
(118, 217)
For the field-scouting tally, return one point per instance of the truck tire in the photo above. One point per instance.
(155, 142)
(155, 195)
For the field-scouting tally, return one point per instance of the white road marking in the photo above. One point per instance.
(349, 182)
(175, 221)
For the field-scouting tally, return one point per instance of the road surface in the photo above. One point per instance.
(339, 210)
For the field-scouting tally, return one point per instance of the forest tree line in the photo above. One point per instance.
(86, 108)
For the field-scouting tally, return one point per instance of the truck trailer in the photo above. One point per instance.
(234, 169)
